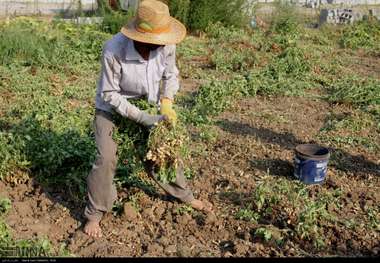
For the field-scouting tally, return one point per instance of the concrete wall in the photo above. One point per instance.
(129, 4)
(314, 3)
(346, 16)
(45, 7)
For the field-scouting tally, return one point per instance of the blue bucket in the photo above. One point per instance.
(310, 163)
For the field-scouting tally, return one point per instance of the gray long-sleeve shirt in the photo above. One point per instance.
(126, 75)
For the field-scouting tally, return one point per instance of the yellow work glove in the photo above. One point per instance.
(167, 110)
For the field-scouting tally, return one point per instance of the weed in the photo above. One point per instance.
(264, 233)
(5, 206)
(31, 42)
(373, 216)
(362, 34)
(191, 47)
(207, 134)
(247, 215)
(287, 74)
(285, 24)
(229, 34)
(355, 90)
(214, 97)
(287, 204)
(113, 21)
(233, 59)
(185, 209)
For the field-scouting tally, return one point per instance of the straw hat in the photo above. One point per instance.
(153, 24)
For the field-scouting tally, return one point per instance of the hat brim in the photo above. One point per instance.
(175, 35)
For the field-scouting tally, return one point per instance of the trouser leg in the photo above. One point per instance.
(101, 190)
(179, 189)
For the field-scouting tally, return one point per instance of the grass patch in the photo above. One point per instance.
(363, 34)
(290, 205)
(355, 90)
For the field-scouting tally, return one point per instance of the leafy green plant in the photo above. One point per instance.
(247, 215)
(362, 34)
(113, 21)
(185, 209)
(30, 42)
(5, 205)
(288, 74)
(280, 202)
(285, 23)
(233, 59)
(355, 90)
(224, 33)
(198, 14)
(180, 9)
(263, 233)
(213, 98)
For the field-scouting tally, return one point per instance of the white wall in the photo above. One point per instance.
(346, 2)
(46, 7)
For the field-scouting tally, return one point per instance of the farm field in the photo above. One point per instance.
(247, 98)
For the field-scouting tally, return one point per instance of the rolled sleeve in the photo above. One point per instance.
(110, 89)
(170, 75)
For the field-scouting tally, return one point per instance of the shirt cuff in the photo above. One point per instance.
(169, 93)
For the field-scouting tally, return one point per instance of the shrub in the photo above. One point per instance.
(225, 33)
(31, 42)
(287, 74)
(355, 90)
(11, 158)
(285, 23)
(226, 58)
(198, 14)
(363, 34)
(180, 9)
(114, 21)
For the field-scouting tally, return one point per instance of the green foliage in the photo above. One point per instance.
(52, 72)
(362, 34)
(233, 59)
(287, 74)
(113, 21)
(247, 215)
(5, 205)
(304, 216)
(165, 146)
(285, 23)
(104, 7)
(213, 98)
(263, 233)
(198, 14)
(31, 42)
(185, 209)
(355, 90)
(217, 31)
(11, 157)
(180, 9)
(5, 237)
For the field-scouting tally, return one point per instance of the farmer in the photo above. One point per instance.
(134, 62)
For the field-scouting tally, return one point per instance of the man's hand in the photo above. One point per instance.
(149, 120)
(167, 110)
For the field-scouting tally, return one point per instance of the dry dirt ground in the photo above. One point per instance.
(255, 137)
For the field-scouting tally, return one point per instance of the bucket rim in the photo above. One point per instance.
(301, 148)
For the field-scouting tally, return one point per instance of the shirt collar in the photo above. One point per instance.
(132, 53)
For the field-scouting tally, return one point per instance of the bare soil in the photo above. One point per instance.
(256, 136)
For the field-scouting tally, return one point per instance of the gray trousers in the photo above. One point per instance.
(101, 190)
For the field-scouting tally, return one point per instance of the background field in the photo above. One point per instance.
(248, 97)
